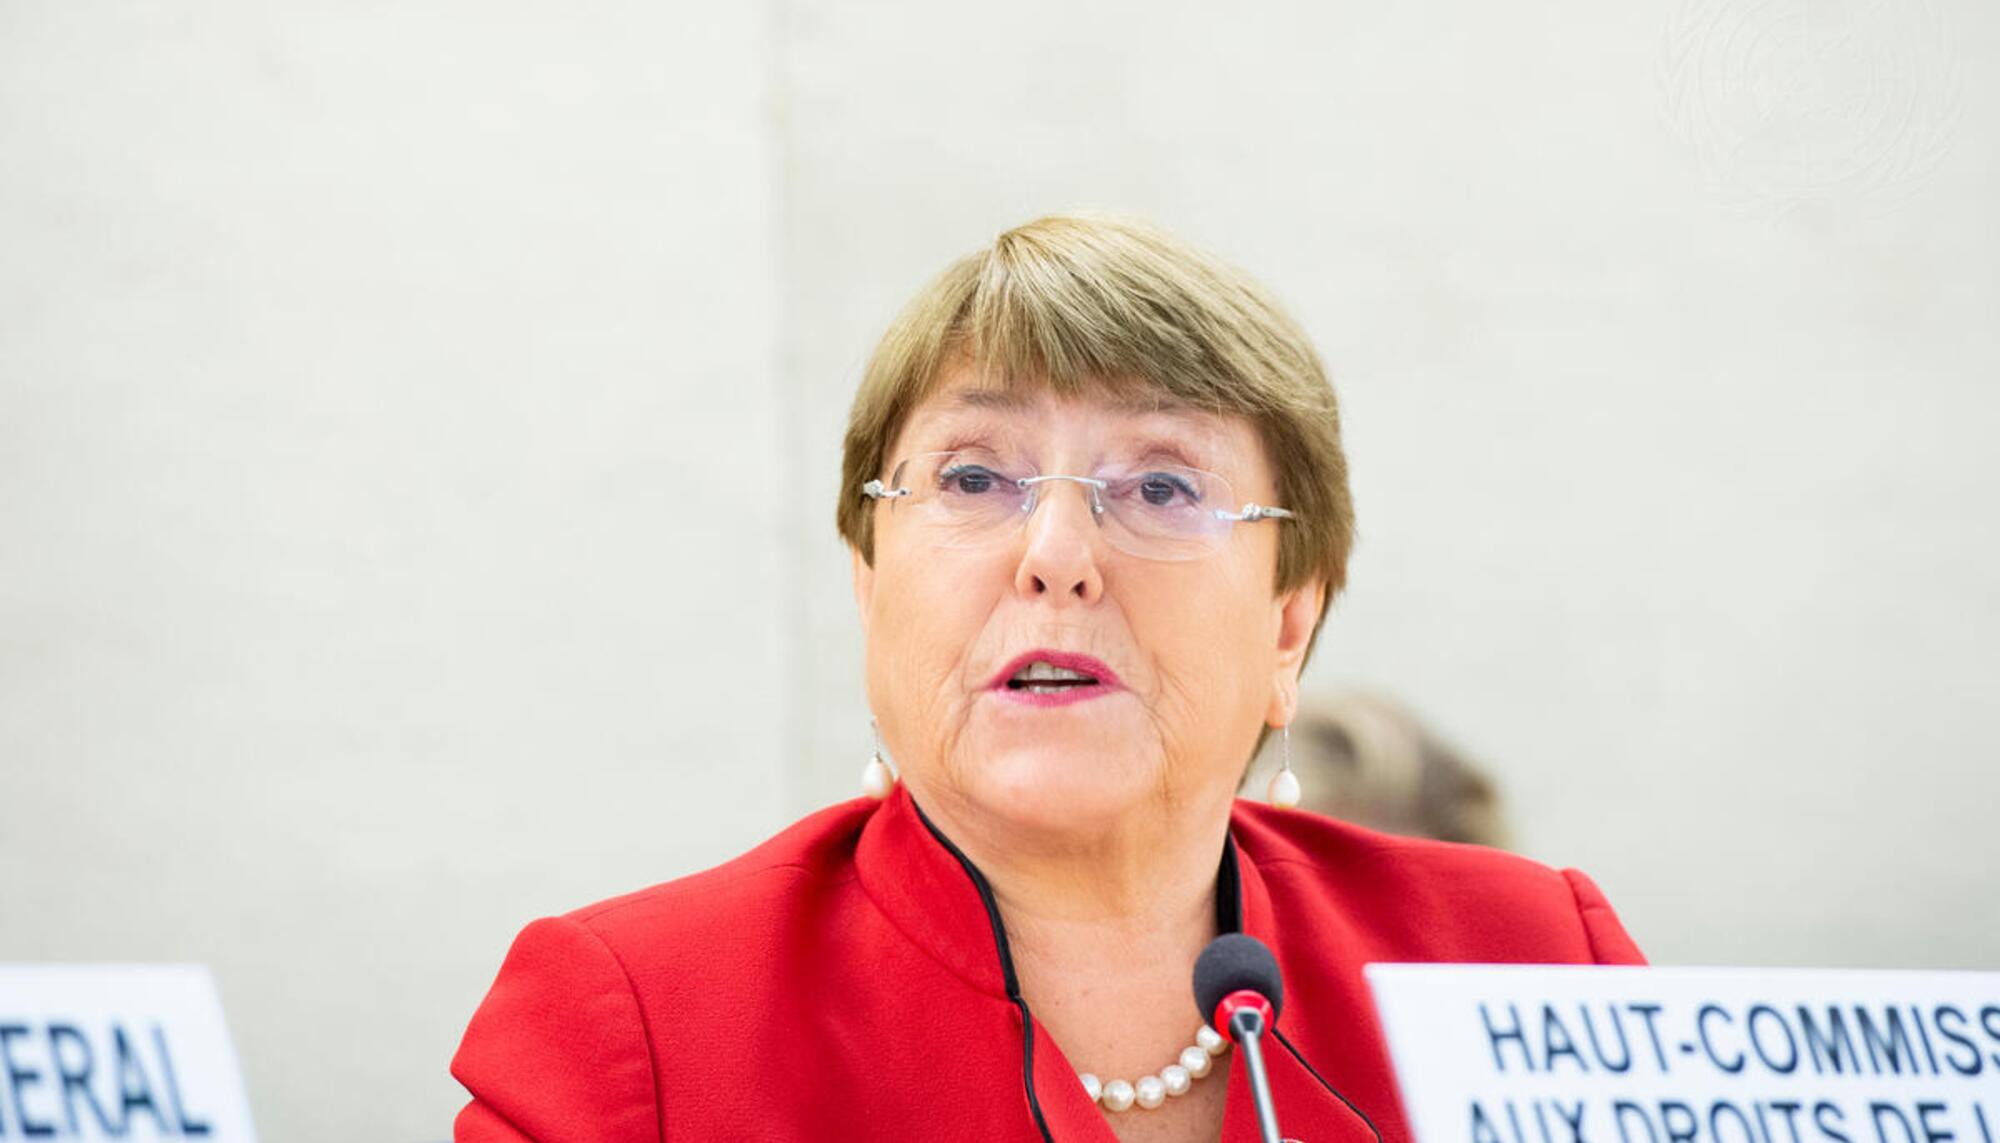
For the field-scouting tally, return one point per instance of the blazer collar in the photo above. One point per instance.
(939, 900)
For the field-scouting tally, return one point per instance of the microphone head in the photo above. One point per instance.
(1234, 962)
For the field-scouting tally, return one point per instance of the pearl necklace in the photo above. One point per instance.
(1174, 1079)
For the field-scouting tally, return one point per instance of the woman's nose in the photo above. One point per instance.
(1060, 561)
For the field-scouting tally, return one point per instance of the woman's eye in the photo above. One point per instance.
(1159, 489)
(968, 480)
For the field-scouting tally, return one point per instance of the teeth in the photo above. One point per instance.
(1039, 671)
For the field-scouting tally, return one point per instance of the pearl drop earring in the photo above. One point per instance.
(876, 778)
(1284, 792)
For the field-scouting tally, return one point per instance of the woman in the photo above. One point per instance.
(1096, 499)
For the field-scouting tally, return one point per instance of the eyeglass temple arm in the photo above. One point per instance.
(1254, 511)
(876, 490)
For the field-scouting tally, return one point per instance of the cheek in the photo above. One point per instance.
(910, 638)
(922, 623)
(1212, 657)
(1212, 624)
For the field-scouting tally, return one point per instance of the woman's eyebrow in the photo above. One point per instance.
(1161, 424)
(1182, 452)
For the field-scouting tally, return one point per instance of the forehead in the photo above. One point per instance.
(1111, 411)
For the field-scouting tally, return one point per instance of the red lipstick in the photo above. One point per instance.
(1102, 679)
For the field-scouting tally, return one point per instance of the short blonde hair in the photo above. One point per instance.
(1071, 301)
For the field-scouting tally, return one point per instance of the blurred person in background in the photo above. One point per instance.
(1097, 504)
(1367, 759)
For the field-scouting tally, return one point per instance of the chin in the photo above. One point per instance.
(1057, 791)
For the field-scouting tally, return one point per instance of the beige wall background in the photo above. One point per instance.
(419, 429)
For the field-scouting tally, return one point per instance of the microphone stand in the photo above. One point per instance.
(1236, 983)
(1246, 1026)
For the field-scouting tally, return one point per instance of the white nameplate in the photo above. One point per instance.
(131, 1052)
(1532, 1054)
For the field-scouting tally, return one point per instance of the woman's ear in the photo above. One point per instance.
(1298, 617)
(864, 585)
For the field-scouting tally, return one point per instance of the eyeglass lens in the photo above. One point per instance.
(1162, 512)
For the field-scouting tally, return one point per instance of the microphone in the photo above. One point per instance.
(1237, 987)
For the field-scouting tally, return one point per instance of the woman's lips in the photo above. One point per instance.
(1105, 679)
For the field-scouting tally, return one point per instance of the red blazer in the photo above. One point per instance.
(849, 979)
